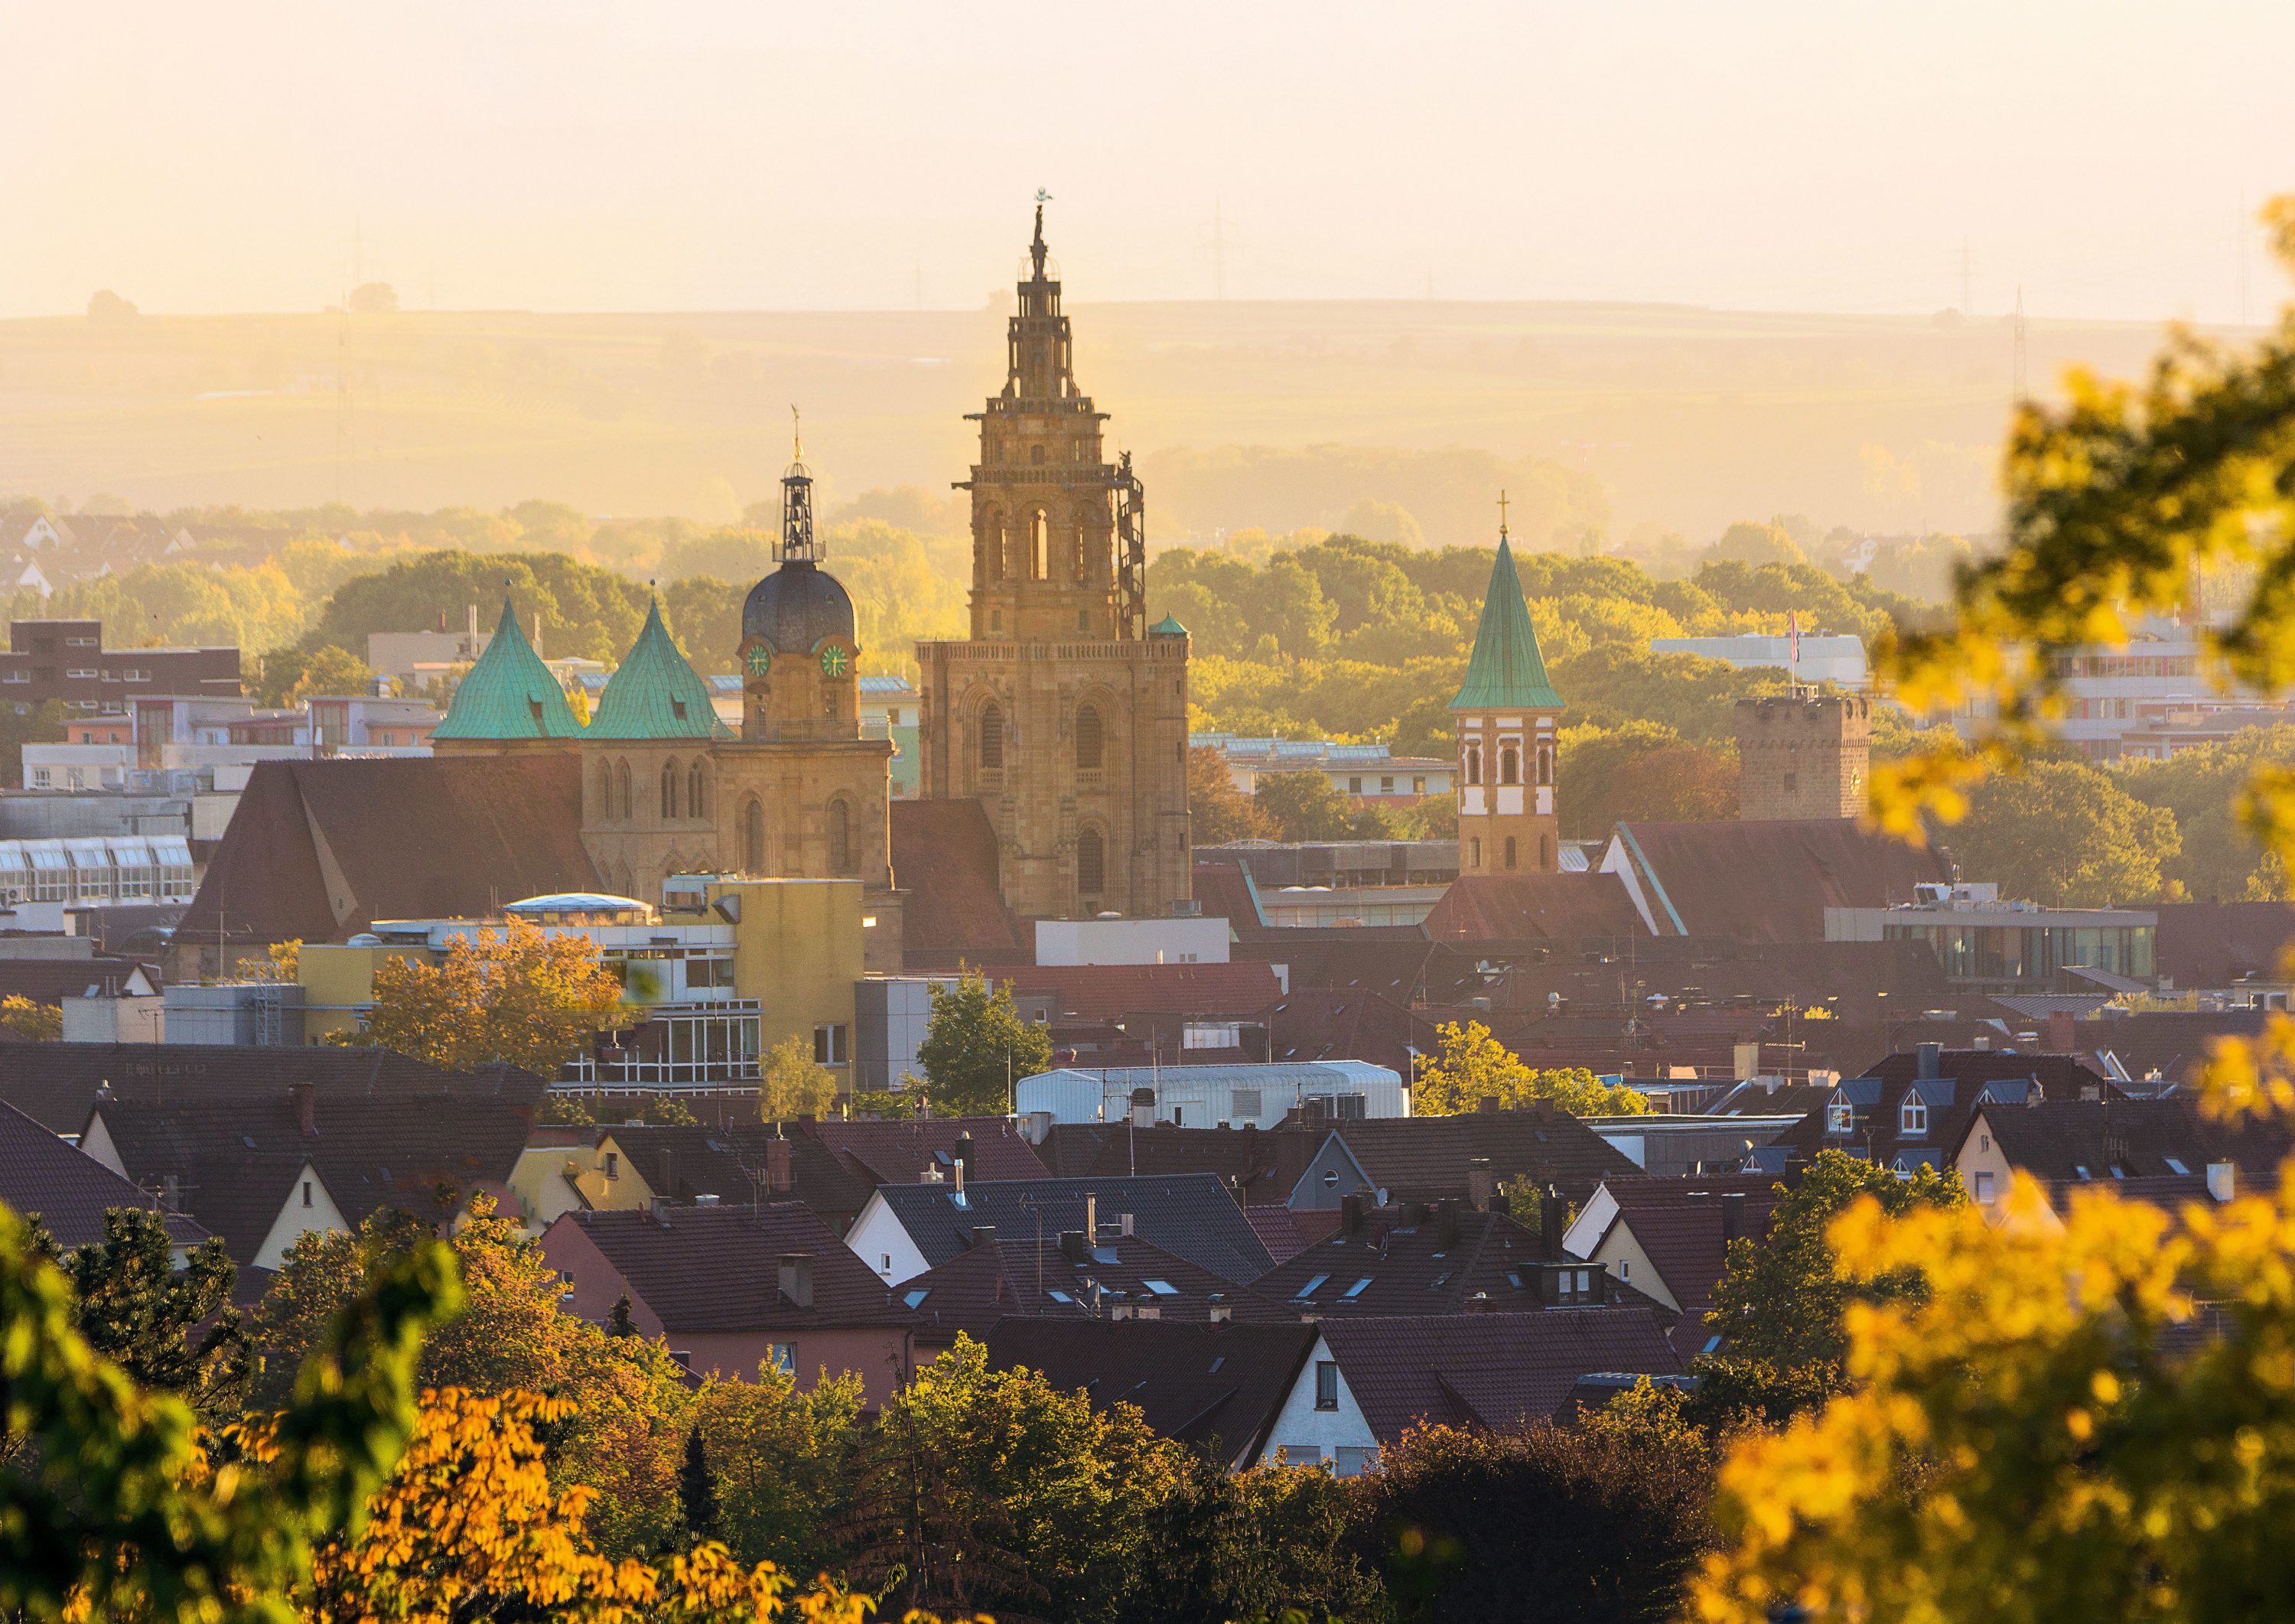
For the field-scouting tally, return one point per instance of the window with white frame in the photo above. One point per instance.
(1913, 1116)
(1840, 1117)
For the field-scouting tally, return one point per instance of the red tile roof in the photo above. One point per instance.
(68, 1192)
(1772, 881)
(946, 857)
(898, 1152)
(1677, 1223)
(1110, 992)
(1534, 908)
(374, 825)
(999, 1275)
(1487, 1370)
(718, 1268)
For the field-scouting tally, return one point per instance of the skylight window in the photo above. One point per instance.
(1059, 1296)
(916, 1298)
(1357, 1289)
(2176, 1166)
(1310, 1289)
(1162, 1288)
(2080, 1170)
(1216, 1363)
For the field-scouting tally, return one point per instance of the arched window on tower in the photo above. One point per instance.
(1509, 766)
(1473, 764)
(622, 799)
(753, 836)
(1509, 852)
(992, 735)
(694, 803)
(605, 790)
(1091, 863)
(840, 837)
(1089, 741)
(668, 790)
(1079, 555)
(1545, 763)
(1040, 548)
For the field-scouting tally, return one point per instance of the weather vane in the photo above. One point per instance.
(1042, 196)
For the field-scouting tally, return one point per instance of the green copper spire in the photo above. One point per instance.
(1507, 673)
(509, 693)
(656, 694)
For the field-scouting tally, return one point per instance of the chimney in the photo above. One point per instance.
(1124, 1225)
(964, 1152)
(2061, 1038)
(1092, 1220)
(1733, 1217)
(1446, 1225)
(983, 1235)
(1926, 1059)
(959, 1181)
(668, 1188)
(1350, 1215)
(2222, 1180)
(796, 1278)
(778, 1176)
(1143, 1107)
(1481, 1183)
(305, 1098)
(1072, 1246)
(1549, 1225)
(1222, 1310)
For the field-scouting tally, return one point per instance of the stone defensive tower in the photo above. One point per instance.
(1803, 755)
(1065, 714)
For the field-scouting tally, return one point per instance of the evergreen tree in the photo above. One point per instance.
(621, 1324)
(696, 1495)
(142, 1312)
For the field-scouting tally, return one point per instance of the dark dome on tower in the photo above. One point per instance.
(798, 606)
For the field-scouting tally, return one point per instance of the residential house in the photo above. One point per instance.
(1215, 1385)
(68, 1192)
(735, 1288)
(911, 1149)
(1260, 1165)
(1428, 1159)
(2162, 1151)
(1669, 1239)
(1068, 1276)
(735, 1163)
(1909, 1111)
(1446, 1259)
(263, 1168)
(907, 1228)
(1366, 1382)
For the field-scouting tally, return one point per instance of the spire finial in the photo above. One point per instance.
(797, 433)
(1502, 517)
(1036, 249)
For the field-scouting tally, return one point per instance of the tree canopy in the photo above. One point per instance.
(516, 995)
(1474, 1066)
(977, 1047)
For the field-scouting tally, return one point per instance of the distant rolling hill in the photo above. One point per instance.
(1273, 414)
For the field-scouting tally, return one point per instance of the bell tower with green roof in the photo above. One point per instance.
(1507, 714)
(508, 701)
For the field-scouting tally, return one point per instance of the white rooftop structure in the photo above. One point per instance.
(1213, 1095)
(1836, 658)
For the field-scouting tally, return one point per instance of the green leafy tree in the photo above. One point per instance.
(1745, 543)
(1217, 811)
(976, 1047)
(781, 1464)
(1269, 1543)
(2064, 834)
(35, 724)
(792, 1085)
(985, 1490)
(2221, 859)
(583, 610)
(1474, 1066)
(113, 1512)
(169, 1329)
(1781, 1302)
(668, 1111)
(1641, 772)
(1601, 1522)
(1305, 805)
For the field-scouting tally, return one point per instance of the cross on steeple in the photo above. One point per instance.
(1502, 517)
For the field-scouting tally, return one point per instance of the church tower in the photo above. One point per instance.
(1506, 713)
(1065, 714)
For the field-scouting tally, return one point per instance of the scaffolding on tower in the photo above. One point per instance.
(1132, 552)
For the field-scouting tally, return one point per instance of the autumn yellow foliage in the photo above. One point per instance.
(516, 995)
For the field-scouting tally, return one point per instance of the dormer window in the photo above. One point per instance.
(1913, 1116)
(1840, 1117)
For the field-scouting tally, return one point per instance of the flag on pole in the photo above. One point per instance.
(1793, 647)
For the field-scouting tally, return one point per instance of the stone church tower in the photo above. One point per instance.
(1505, 715)
(1065, 714)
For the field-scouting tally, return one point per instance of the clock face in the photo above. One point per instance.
(832, 661)
(761, 659)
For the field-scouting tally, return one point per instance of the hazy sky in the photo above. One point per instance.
(1803, 154)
